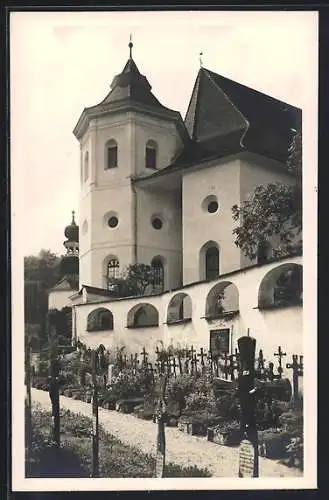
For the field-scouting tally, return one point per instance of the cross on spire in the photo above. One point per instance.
(200, 59)
(130, 45)
(73, 213)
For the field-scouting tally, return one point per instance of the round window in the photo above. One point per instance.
(113, 221)
(212, 207)
(157, 223)
(210, 204)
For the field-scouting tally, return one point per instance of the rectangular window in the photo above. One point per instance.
(112, 157)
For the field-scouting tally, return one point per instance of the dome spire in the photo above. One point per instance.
(130, 45)
(73, 219)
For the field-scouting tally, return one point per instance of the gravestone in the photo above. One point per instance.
(247, 459)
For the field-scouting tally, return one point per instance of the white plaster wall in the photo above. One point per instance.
(165, 242)
(108, 192)
(271, 328)
(57, 299)
(223, 180)
(163, 132)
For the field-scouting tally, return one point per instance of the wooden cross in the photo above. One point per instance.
(195, 362)
(144, 354)
(270, 372)
(260, 365)
(225, 366)
(232, 366)
(202, 355)
(186, 363)
(174, 365)
(280, 355)
(180, 363)
(191, 352)
(157, 352)
(297, 371)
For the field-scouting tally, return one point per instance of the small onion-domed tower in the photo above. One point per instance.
(70, 261)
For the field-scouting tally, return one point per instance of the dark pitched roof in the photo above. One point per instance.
(223, 112)
(67, 283)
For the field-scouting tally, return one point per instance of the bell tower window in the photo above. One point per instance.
(113, 268)
(151, 155)
(111, 150)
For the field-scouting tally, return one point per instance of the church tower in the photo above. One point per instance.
(129, 135)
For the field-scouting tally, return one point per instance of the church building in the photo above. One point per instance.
(158, 189)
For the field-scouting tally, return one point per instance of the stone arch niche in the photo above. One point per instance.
(222, 301)
(209, 260)
(142, 315)
(101, 319)
(281, 287)
(179, 309)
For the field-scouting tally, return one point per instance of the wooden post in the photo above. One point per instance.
(95, 431)
(54, 391)
(29, 400)
(248, 465)
(160, 420)
(180, 363)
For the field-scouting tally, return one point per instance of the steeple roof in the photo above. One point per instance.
(131, 85)
(130, 90)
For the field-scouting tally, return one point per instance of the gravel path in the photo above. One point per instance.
(181, 448)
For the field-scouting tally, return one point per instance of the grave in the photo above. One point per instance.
(247, 459)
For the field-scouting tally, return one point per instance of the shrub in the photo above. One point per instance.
(173, 470)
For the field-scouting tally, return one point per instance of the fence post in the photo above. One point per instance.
(161, 438)
(29, 399)
(54, 392)
(95, 431)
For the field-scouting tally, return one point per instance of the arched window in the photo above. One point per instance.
(222, 300)
(99, 320)
(212, 263)
(281, 287)
(209, 261)
(151, 155)
(264, 251)
(142, 315)
(158, 274)
(86, 167)
(179, 308)
(113, 268)
(111, 151)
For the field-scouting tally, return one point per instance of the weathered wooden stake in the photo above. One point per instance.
(95, 431)
(29, 400)
(160, 419)
(54, 392)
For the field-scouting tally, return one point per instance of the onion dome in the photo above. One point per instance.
(72, 231)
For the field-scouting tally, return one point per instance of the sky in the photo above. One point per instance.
(62, 62)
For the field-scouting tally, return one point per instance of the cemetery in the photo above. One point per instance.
(201, 393)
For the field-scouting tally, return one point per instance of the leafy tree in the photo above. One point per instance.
(41, 273)
(134, 280)
(274, 209)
